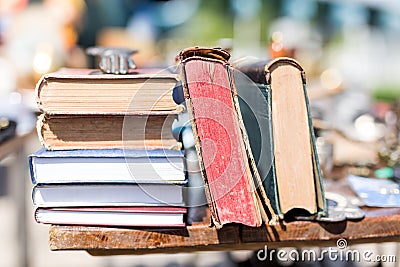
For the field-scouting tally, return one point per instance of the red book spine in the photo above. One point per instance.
(220, 143)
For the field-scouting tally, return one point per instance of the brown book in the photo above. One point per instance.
(106, 131)
(89, 91)
(297, 177)
(288, 162)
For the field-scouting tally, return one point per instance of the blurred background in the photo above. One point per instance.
(349, 50)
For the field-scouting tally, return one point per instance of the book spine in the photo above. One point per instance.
(32, 169)
(239, 203)
(190, 110)
(40, 121)
(321, 201)
(36, 215)
(38, 89)
(33, 193)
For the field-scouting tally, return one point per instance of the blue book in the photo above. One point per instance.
(107, 194)
(107, 166)
(376, 192)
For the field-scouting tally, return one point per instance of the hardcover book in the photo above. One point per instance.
(107, 165)
(286, 157)
(232, 184)
(63, 132)
(89, 91)
(114, 216)
(108, 194)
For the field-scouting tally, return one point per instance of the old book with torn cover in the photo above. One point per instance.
(233, 187)
(65, 132)
(89, 91)
(285, 153)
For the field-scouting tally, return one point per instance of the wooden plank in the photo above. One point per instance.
(380, 225)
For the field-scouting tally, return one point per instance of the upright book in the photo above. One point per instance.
(289, 163)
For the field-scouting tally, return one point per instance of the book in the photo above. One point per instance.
(63, 132)
(114, 216)
(375, 192)
(232, 184)
(107, 165)
(289, 164)
(108, 194)
(89, 91)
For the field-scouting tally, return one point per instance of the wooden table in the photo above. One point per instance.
(379, 225)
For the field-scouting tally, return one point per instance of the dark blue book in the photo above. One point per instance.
(107, 166)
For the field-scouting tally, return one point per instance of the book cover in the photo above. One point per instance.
(292, 181)
(106, 165)
(61, 132)
(108, 194)
(89, 91)
(225, 158)
(114, 216)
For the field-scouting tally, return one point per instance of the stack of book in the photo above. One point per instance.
(109, 157)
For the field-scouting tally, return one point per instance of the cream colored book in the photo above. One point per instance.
(89, 91)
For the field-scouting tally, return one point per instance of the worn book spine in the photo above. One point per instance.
(276, 113)
(221, 142)
(321, 206)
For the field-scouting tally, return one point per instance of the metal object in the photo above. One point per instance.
(113, 60)
(4, 123)
(342, 208)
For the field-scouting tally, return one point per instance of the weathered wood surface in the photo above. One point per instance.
(379, 225)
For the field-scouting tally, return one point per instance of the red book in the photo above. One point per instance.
(218, 133)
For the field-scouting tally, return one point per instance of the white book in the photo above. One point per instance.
(106, 165)
(87, 195)
(113, 216)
